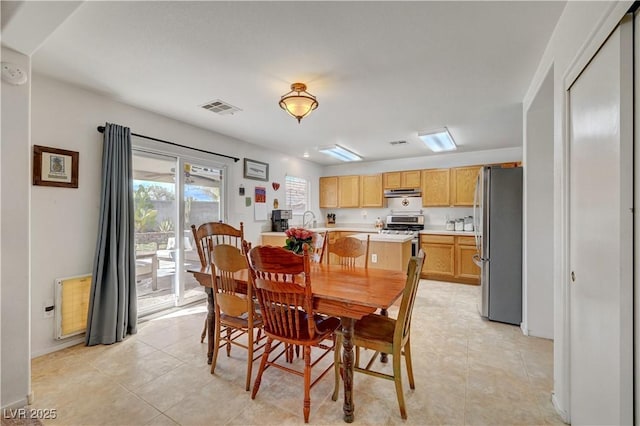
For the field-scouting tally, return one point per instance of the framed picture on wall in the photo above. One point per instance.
(256, 170)
(55, 167)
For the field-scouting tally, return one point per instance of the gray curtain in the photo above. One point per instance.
(112, 303)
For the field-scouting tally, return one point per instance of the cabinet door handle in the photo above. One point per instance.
(573, 276)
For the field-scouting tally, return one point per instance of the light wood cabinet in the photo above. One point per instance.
(436, 188)
(449, 187)
(407, 179)
(449, 258)
(371, 191)
(348, 191)
(466, 270)
(463, 185)
(328, 192)
(273, 240)
(440, 257)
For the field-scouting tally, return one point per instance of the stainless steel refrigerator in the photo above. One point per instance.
(498, 229)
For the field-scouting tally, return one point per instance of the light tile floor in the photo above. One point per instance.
(467, 371)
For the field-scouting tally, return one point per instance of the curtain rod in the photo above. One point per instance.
(235, 159)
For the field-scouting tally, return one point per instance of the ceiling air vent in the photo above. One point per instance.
(398, 142)
(220, 107)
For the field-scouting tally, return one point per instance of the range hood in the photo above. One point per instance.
(404, 192)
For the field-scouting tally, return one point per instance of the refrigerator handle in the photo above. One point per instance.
(476, 196)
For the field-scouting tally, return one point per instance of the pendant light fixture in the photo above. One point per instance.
(298, 102)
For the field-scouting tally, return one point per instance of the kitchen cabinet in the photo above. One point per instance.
(348, 191)
(328, 192)
(463, 185)
(436, 188)
(449, 258)
(371, 191)
(449, 187)
(406, 179)
(466, 270)
(278, 239)
(439, 262)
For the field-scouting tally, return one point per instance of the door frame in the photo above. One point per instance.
(561, 395)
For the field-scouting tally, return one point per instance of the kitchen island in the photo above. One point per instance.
(387, 251)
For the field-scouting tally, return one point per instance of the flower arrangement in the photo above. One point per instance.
(297, 238)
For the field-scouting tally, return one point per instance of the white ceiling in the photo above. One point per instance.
(382, 71)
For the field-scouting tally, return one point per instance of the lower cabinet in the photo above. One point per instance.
(449, 258)
(273, 240)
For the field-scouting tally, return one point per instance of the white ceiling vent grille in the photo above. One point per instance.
(220, 107)
(398, 142)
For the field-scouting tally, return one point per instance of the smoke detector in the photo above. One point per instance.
(13, 74)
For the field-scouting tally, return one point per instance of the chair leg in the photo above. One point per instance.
(204, 330)
(337, 363)
(263, 363)
(307, 383)
(407, 359)
(397, 379)
(216, 344)
(249, 358)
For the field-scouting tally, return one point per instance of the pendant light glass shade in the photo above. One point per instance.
(298, 102)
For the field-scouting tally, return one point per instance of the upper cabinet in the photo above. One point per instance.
(396, 180)
(348, 191)
(449, 187)
(328, 192)
(463, 185)
(371, 191)
(436, 188)
(440, 187)
(351, 191)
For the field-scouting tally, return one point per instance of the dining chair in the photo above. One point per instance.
(348, 249)
(206, 236)
(282, 284)
(319, 245)
(386, 335)
(235, 313)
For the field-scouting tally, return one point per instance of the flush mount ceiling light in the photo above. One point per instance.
(298, 102)
(438, 140)
(343, 154)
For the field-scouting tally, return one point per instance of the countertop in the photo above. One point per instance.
(346, 228)
(383, 238)
(444, 232)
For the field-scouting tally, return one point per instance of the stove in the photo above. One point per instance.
(405, 223)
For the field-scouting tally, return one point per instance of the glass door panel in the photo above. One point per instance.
(202, 202)
(155, 214)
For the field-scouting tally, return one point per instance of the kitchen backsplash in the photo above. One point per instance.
(434, 217)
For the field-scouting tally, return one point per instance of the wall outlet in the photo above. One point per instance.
(374, 258)
(48, 309)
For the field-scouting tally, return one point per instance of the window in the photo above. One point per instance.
(297, 192)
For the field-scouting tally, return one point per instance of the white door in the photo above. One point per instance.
(601, 227)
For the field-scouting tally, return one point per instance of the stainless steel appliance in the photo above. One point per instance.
(280, 220)
(408, 223)
(498, 233)
(404, 192)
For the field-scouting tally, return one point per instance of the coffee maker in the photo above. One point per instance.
(280, 220)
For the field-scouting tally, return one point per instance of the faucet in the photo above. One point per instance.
(311, 221)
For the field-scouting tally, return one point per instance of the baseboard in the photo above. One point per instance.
(16, 404)
(563, 414)
(68, 343)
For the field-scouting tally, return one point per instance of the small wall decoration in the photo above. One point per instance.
(55, 167)
(256, 170)
(261, 194)
(275, 186)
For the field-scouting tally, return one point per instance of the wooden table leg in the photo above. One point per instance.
(347, 360)
(383, 356)
(211, 318)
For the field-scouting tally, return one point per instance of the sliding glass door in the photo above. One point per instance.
(166, 204)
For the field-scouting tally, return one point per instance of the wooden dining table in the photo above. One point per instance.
(349, 293)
